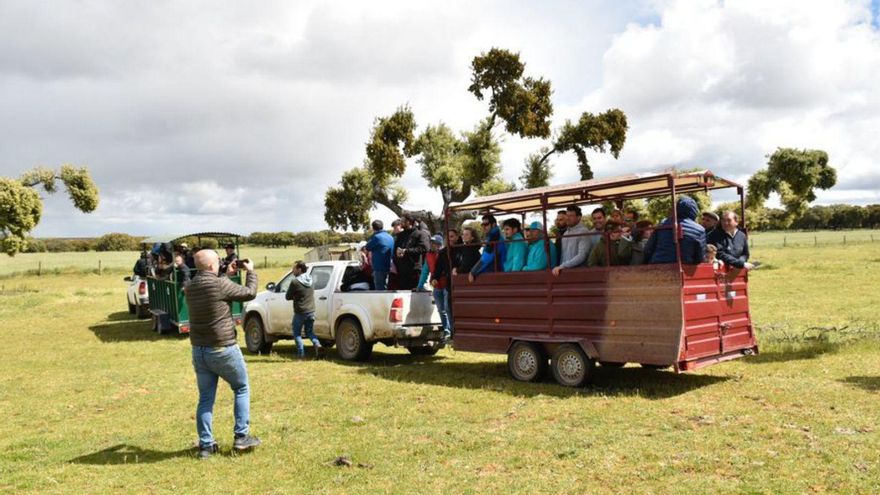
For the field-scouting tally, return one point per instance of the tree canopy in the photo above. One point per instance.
(459, 164)
(793, 174)
(21, 205)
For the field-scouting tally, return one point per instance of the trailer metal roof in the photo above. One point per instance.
(622, 187)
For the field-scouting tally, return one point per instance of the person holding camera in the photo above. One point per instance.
(215, 351)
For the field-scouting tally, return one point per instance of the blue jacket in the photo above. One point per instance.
(517, 251)
(381, 245)
(661, 245)
(537, 259)
(491, 253)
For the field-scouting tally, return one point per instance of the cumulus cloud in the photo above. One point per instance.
(238, 117)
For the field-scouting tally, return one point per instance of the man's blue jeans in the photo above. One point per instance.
(306, 320)
(211, 363)
(380, 280)
(442, 301)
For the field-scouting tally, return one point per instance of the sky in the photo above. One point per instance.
(239, 115)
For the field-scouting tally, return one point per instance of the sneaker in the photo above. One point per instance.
(319, 352)
(206, 452)
(245, 442)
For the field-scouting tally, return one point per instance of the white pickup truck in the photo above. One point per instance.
(353, 320)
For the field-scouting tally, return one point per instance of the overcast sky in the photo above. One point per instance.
(239, 115)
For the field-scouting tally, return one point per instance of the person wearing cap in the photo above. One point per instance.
(537, 257)
(438, 285)
(517, 249)
(709, 221)
(381, 247)
(230, 257)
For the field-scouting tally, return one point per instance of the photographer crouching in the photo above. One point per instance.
(215, 351)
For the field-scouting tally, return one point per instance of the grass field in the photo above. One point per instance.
(93, 402)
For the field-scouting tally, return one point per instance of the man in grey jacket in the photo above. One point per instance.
(215, 351)
(577, 243)
(301, 292)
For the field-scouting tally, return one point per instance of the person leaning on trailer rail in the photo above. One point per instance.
(577, 241)
(215, 351)
(611, 245)
(494, 251)
(469, 251)
(183, 272)
(637, 240)
(537, 257)
(661, 245)
(560, 224)
(732, 243)
(142, 266)
(517, 250)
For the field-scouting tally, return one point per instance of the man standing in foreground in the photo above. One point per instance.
(215, 351)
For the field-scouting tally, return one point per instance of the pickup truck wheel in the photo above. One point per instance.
(142, 311)
(255, 336)
(571, 367)
(526, 362)
(350, 342)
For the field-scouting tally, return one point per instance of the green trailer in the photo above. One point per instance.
(168, 310)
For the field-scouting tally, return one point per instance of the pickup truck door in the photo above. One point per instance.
(280, 310)
(323, 283)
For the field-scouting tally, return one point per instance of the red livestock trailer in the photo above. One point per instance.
(656, 315)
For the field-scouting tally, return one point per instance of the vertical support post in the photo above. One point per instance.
(742, 208)
(670, 180)
(547, 246)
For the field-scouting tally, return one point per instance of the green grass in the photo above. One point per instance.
(780, 238)
(93, 402)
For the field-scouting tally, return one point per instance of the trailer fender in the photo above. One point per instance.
(356, 312)
(587, 346)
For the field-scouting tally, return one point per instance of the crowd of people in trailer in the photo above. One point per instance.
(164, 259)
(409, 258)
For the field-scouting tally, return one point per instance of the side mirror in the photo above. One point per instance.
(127, 279)
(270, 286)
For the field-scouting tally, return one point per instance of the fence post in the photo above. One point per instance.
(99, 267)
(844, 240)
(872, 237)
(265, 262)
(39, 268)
(784, 241)
(815, 240)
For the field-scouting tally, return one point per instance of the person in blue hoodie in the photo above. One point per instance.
(494, 251)
(517, 249)
(537, 258)
(661, 245)
(381, 247)
(301, 292)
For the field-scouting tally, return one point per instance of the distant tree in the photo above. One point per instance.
(21, 205)
(32, 245)
(116, 242)
(872, 216)
(794, 174)
(660, 207)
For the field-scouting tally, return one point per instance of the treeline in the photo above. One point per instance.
(829, 217)
(303, 239)
(115, 241)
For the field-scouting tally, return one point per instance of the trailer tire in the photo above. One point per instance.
(526, 361)
(350, 342)
(255, 336)
(571, 367)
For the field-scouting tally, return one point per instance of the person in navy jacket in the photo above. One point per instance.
(732, 243)
(661, 245)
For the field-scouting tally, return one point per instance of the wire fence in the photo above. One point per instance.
(813, 238)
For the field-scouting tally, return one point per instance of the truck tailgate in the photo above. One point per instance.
(422, 310)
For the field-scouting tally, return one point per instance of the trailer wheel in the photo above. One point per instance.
(526, 361)
(350, 342)
(611, 364)
(255, 336)
(571, 367)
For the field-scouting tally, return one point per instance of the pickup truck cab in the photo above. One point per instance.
(353, 321)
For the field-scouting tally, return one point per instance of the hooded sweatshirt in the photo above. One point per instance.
(661, 245)
(517, 250)
(537, 259)
(302, 294)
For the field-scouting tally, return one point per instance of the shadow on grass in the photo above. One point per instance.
(869, 383)
(493, 376)
(288, 353)
(794, 352)
(123, 327)
(129, 454)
